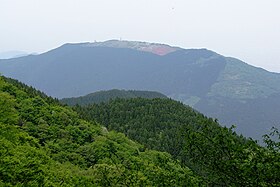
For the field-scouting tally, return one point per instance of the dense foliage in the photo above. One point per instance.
(217, 154)
(45, 144)
(105, 96)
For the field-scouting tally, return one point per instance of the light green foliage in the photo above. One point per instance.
(45, 144)
(8, 114)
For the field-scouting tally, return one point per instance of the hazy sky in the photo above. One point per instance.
(245, 29)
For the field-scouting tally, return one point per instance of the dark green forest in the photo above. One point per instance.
(43, 143)
(216, 154)
(105, 96)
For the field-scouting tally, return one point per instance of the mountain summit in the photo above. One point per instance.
(221, 87)
(155, 48)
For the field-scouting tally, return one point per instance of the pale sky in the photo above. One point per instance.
(246, 29)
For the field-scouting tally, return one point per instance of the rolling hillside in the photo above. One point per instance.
(45, 144)
(218, 86)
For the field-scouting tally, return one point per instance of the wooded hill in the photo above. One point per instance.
(217, 154)
(105, 96)
(43, 143)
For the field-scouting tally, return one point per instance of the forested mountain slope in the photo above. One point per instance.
(105, 96)
(218, 86)
(45, 144)
(217, 154)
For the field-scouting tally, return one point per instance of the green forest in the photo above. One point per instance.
(124, 142)
(105, 96)
(216, 154)
(43, 143)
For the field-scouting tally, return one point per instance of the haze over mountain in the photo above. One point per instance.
(221, 87)
(12, 54)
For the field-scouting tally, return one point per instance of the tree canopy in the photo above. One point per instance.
(43, 143)
(215, 153)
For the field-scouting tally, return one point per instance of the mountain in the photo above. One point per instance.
(105, 96)
(45, 144)
(220, 87)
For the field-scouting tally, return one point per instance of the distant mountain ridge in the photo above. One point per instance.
(220, 87)
(12, 54)
(106, 96)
